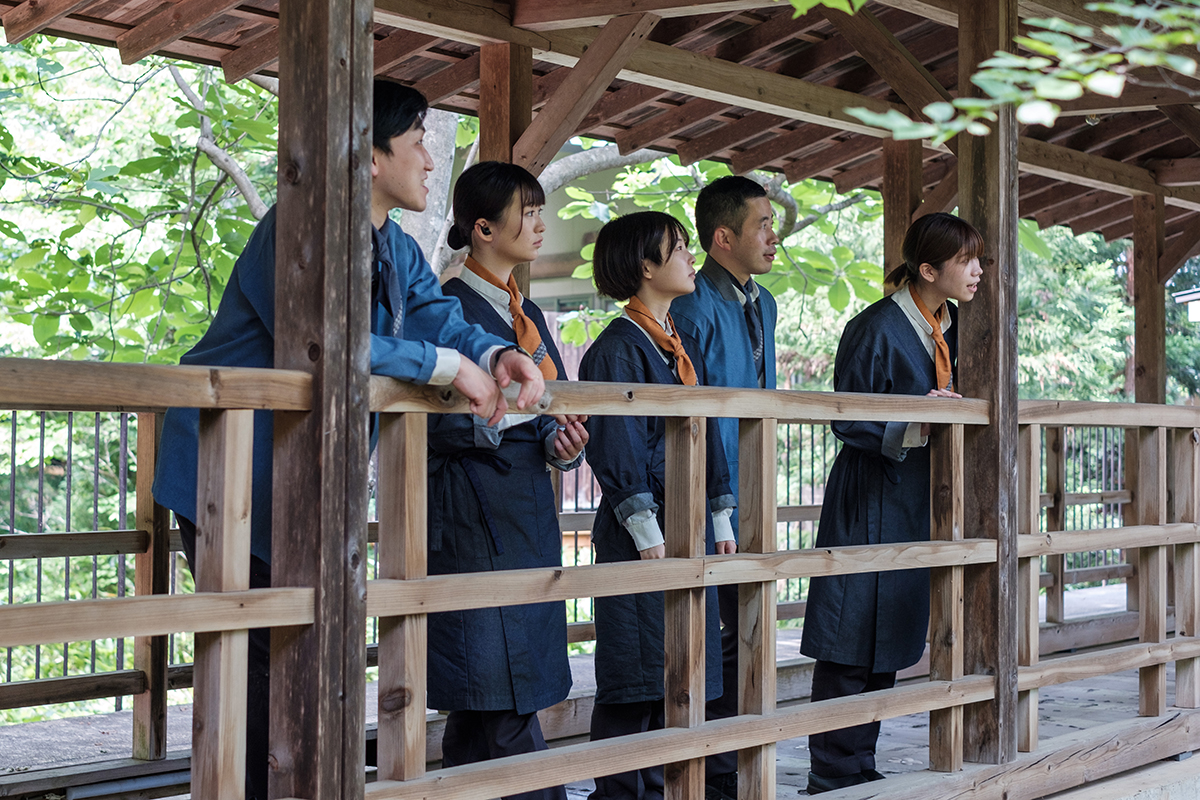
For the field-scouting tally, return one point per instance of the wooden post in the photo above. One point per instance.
(322, 297)
(151, 571)
(901, 196)
(946, 593)
(685, 504)
(505, 109)
(1029, 504)
(1185, 503)
(757, 509)
(402, 555)
(1056, 518)
(1150, 496)
(987, 369)
(222, 565)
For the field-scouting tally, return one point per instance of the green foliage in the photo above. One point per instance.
(849, 6)
(117, 233)
(1183, 338)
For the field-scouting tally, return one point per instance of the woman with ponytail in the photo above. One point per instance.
(643, 258)
(491, 503)
(862, 629)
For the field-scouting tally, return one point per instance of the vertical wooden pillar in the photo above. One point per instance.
(1029, 505)
(152, 571)
(757, 509)
(1149, 302)
(322, 297)
(1056, 518)
(1150, 497)
(1185, 505)
(946, 593)
(685, 503)
(403, 641)
(222, 565)
(987, 369)
(505, 109)
(901, 196)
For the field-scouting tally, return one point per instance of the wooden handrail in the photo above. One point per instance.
(1118, 659)
(1129, 536)
(1106, 415)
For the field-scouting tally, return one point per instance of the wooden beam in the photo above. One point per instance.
(830, 158)
(1186, 117)
(170, 23)
(901, 196)
(1056, 517)
(259, 52)
(1136, 97)
(1149, 298)
(1183, 247)
(31, 16)
(398, 48)
(1185, 507)
(152, 570)
(1175, 171)
(668, 123)
(987, 368)
(614, 105)
(944, 196)
(1029, 512)
(1102, 217)
(1053, 161)
(322, 313)
(505, 98)
(557, 120)
(946, 593)
(1150, 498)
(544, 15)
(1086, 205)
(944, 12)
(870, 173)
(729, 135)
(452, 80)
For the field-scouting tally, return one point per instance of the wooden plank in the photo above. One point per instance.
(72, 689)
(729, 135)
(589, 78)
(168, 24)
(1178, 252)
(1112, 415)
(223, 497)
(1187, 118)
(1126, 537)
(1029, 510)
(1083, 169)
(1149, 337)
(1184, 505)
(1150, 498)
(779, 147)
(684, 511)
(257, 54)
(547, 584)
(452, 80)
(569, 397)
(402, 556)
(63, 545)
(901, 196)
(757, 445)
(946, 633)
(823, 162)
(1175, 171)
(943, 197)
(152, 571)
(1086, 666)
(31, 16)
(544, 15)
(399, 47)
(27, 383)
(502, 777)
(668, 123)
(505, 98)
(1056, 518)
(322, 312)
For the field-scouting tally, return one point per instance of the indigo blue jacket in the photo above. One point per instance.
(242, 334)
(713, 317)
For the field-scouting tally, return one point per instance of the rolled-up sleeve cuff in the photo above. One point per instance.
(913, 437)
(487, 437)
(643, 527)
(722, 527)
(446, 368)
(721, 501)
(488, 359)
(893, 441)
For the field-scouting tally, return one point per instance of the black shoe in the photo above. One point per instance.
(873, 775)
(818, 784)
(721, 787)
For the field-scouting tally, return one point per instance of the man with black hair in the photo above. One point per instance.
(733, 320)
(417, 335)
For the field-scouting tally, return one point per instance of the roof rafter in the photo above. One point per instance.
(450, 81)
(1176, 171)
(23, 21)
(1186, 118)
(780, 146)
(943, 197)
(668, 123)
(829, 158)
(727, 136)
(546, 15)
(398, 48)
(1186, 245)
(168, 24)
(258, 53)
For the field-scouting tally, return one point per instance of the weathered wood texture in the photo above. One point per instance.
(151, 576)
(322, 296)
(1150, 498)
(1149, 302)
(1029, 508)
(987, 369)
(402, 556)
(946, 635)
(222, 565)
(901, 196)
(1056, 518)
(1184, 506)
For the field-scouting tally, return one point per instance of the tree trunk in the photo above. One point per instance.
(441, 127)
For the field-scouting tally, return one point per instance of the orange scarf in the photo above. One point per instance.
(669, 342)
(527, 332)
(941, 350)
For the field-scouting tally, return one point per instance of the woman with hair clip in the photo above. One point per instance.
(643, 258)
(491, 503)
(862, 629)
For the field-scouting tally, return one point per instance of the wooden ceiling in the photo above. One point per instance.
(739, 81)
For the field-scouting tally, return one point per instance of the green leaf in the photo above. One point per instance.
(573, 331)
(160, 140)
(842, 255)
(1055, 89)
(839, 295)
(1037, 112)
(45, 326)
(583, 272)
(10, 230)
(575, 193)
(1110, 84)
(143, 165)
(31, 259)
(1027, 236)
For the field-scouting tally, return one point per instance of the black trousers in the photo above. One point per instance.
(258, 676)
(622, 719)
(727, 704)
(848, 751)
(473, 736)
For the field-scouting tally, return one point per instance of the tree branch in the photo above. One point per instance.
(586, 162)
(270, 84)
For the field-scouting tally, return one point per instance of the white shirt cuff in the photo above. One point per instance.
(446, 368)
(913, 437)
(643, 527)
(488, 359)
(722, 527)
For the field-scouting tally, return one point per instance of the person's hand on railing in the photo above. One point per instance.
(571, 436)
(514, 365)
(937, 393)
(481, 390)
(726, 548)
(658, 551)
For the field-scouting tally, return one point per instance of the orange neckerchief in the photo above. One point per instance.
(670, 343)
(941, 350)
(527, 333)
